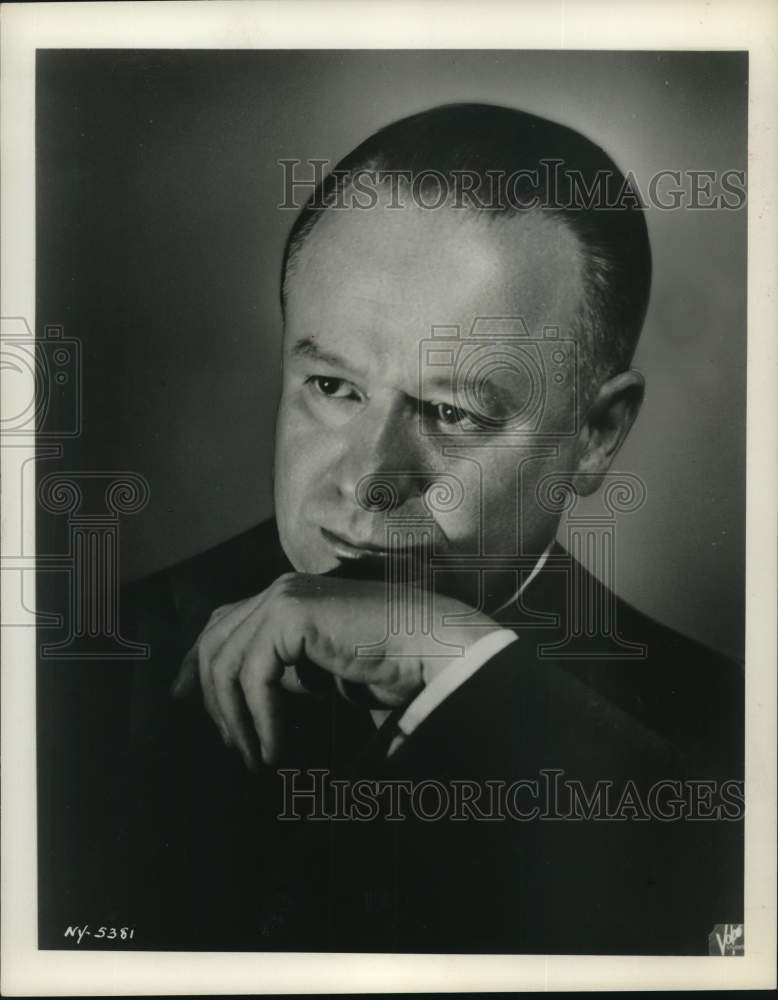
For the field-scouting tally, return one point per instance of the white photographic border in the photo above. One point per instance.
(700, 24)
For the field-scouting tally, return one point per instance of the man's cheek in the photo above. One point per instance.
(296, 502)
(485, 505)
(306, 457)
(462, 527)
(303, 462)
(291, 422)
(297, 481)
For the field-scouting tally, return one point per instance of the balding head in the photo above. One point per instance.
(497, 164)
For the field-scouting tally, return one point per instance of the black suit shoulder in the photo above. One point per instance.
(689, 694)
(233, 569)
(636, 696)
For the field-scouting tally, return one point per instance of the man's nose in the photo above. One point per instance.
(383, 464)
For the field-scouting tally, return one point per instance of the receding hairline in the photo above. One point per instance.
(502, 225)
(477, 138)
(544, 221)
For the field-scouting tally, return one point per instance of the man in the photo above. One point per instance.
(458, 330)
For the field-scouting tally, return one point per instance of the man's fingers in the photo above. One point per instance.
(186, 678)
(196, 668)
(370, 680)
(260, 680)
(232, 709)
(210, 695)
(290, 681)
(223, 670)
(223, 621)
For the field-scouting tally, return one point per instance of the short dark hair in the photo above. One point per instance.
(552, 169)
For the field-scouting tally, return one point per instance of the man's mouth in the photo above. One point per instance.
(349, 548)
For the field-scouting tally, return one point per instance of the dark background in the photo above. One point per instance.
(159, 243)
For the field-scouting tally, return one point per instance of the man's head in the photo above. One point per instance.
(470, 217)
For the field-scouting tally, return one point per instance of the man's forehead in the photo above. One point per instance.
(403, 271)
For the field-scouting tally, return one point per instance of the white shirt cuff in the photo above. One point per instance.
(454, 674)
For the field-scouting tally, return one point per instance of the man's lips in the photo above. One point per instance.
(348, 548)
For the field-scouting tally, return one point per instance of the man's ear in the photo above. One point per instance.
(606, 426)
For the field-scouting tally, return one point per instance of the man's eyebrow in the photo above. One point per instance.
(307, 348)
(498, 392)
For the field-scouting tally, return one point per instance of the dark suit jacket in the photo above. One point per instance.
(178, 840)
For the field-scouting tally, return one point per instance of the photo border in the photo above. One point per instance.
(700, 25)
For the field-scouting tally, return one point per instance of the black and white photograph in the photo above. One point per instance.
(382, 426)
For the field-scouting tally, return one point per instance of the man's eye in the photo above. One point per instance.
(450, 415)
(334, 388)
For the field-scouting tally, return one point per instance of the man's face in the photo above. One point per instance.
(365, 293)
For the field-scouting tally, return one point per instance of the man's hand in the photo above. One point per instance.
(245, 657)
